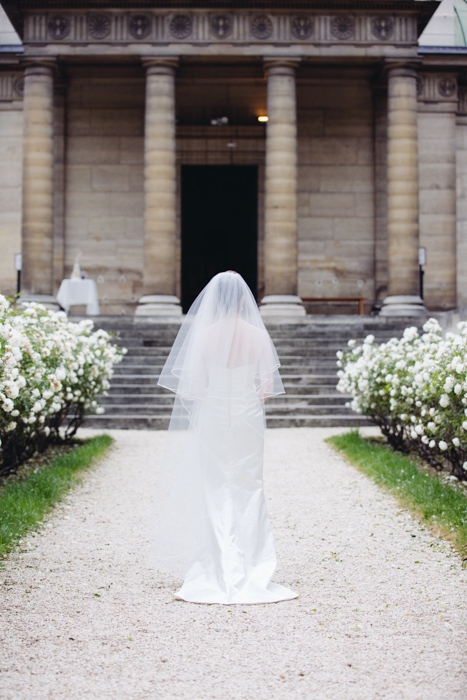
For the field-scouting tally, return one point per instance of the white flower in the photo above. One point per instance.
(444, 400)
(449, 384)
(464, 466)
(456, 442)
(442, 445)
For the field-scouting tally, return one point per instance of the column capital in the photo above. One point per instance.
(160, 65)
(39, 65)
(404, 69)
(281, 66)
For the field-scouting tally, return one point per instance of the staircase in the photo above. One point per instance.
(307, 352)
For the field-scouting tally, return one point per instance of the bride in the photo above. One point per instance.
(213, 528)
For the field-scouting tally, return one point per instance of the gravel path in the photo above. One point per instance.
(381, 613)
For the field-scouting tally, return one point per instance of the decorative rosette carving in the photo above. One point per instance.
(18, 86)
(382, 27)
(419, 83)
(139, 26)
(181, 26)
(99, 26)
(447, 87)
(261, 27)
(59, 26)
(342, 27)
(221, 25)
(302, 27)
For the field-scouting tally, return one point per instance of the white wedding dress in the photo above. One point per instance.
(211, 524)
(233, 558)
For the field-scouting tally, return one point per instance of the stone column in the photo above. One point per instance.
(38, 174)
(403, 208)
(280, 216)
(160, 216)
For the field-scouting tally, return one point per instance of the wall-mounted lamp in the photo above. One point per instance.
(263, 118)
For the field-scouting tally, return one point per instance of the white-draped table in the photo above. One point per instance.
(78, 291)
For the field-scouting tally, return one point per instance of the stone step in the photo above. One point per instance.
(158, 422)
(273, 408)
(129, 377)
(146, 389)
(166, 399)
(151, 368)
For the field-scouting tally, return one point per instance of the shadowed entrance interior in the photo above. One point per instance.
(219, 225)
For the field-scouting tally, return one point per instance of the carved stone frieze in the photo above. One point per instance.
(18, 86)
(261, 27)
(302, 27)
(462, 105)
(59, 26)
(246, 27)
(139, 26)
(181, 26)
(99, 26)
(343, 27)
(221, 25)
(11, 86)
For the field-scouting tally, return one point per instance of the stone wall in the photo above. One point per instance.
(437, 183)
(336, 186)
(461, 167)
(104, 181)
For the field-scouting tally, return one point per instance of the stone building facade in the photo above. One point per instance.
(130, 140)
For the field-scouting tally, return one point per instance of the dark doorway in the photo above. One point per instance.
(219, 225)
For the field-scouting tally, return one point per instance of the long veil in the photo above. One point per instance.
(222, 332)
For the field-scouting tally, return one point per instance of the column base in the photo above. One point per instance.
(403, 306)
(163, 306)
(46, 300)
(282, 306)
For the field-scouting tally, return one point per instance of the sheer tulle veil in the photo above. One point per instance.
(223, 329)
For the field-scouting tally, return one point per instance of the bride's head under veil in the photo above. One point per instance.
(223, 329)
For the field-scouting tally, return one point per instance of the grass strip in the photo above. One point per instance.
(24, 503)
(442, 506)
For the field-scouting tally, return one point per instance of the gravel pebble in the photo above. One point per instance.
(381, 612)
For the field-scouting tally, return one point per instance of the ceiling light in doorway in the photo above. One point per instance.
(220, 121)
(231, 144)
(263, 118)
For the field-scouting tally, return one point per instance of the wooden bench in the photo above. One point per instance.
(324, 300)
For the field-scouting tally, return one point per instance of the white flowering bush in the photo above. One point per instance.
(415, 389)
(51, 372)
